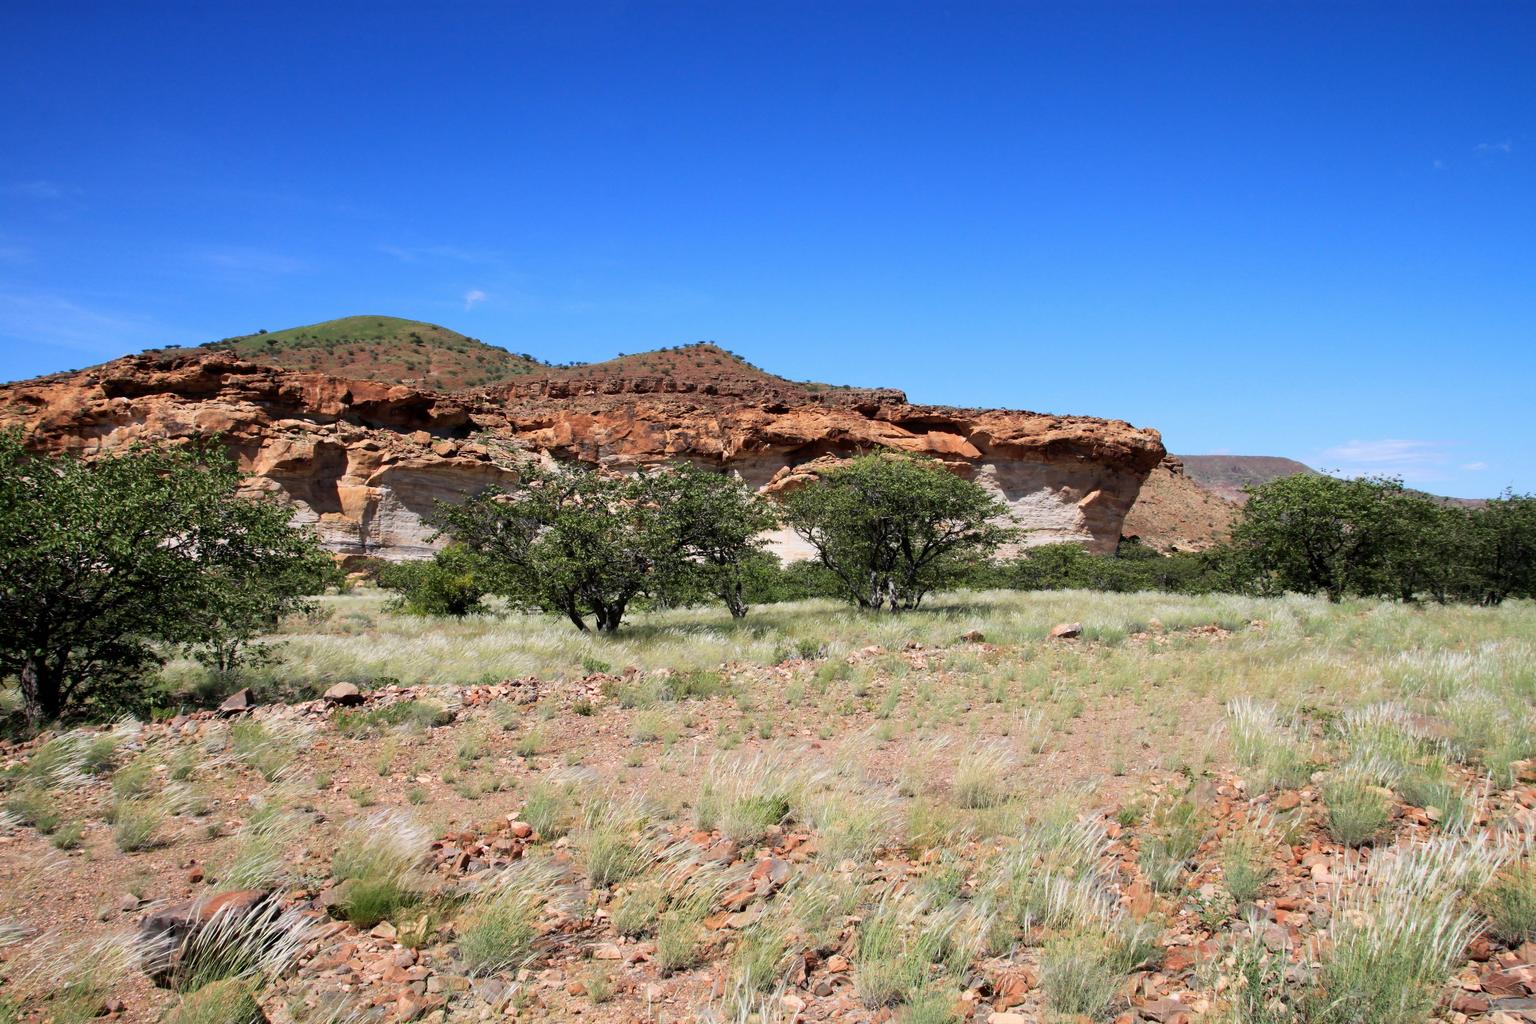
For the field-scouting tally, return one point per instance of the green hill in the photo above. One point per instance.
(384, 348)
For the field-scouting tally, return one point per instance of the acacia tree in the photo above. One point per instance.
(893, 528)
(714, 524)
(566, 539)
(106, 565)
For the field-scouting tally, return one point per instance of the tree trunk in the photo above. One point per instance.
(41, 694)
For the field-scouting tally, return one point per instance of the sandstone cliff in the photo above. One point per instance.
(364, 461)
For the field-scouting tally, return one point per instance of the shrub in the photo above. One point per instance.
(448, 583)
(99, 580)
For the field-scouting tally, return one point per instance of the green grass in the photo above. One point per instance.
(1510, 903)
(1357, 811)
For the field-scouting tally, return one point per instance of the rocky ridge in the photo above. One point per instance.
(364, 461)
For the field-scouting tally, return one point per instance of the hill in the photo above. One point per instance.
(382, 348)
(701, 362)
(1227, 475)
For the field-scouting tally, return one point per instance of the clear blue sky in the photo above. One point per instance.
(1268, 228)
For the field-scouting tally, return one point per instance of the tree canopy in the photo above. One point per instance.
(106, 565)
(586, 543)
(893, 528)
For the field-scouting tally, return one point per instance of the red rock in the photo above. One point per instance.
(379, 450)
(1066, 631)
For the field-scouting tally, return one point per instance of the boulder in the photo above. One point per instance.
(166, 934)
(344, 694)
(241, 700)
(1067, 631)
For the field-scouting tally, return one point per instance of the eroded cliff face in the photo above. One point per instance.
(365, 462)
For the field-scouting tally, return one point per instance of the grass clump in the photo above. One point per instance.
(501, 931)
(223, 1002)
(984, 777)
(375, 866)
(268, 752)
(1269, 745)
(1399, 933)
(407, 715)
(136, 825)
(610, 846)
(1179, 827)
(32, 805)
(679, 933)
(887, 969)
(1357, 811)
(548, 809)
(1510, 903)
(1083, 972)
(1245, 865)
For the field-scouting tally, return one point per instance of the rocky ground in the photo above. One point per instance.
(1064, 829)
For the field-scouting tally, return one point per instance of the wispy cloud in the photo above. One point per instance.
(473, 297)
(451, 253)
(36, 189)
(243, 259)
(1474, 467)
(1495, 148)
(57, 322)
(1414, 461)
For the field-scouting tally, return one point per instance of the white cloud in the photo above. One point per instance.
(454, 253)
(1474, 467)
(1412, 460)
(1496, 148)
(473, 296)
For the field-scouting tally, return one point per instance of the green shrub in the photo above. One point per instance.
(448, 583)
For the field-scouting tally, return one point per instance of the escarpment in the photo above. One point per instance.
(365, 461)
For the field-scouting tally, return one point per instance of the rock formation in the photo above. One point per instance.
(1176, 512)
(364, 461)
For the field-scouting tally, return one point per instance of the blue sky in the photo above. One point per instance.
(1262, 228)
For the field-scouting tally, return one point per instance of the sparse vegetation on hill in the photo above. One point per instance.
(382, 348)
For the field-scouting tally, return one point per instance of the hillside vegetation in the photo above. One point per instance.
(383, 348)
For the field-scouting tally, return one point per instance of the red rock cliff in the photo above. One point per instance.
(364, 461)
